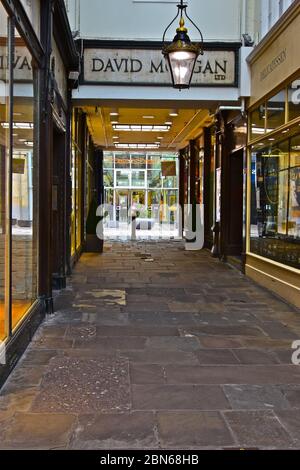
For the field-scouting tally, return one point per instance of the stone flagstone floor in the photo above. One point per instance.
(182, 352)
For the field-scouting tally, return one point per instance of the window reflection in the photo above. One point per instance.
(257, 119)
(24, 179)
(3, 172)
(276, 111)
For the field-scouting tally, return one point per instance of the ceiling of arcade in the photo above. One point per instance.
(166, 129)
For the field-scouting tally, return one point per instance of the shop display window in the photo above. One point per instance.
(275, 202)
(258, 121)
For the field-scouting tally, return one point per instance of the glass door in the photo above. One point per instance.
(122, 205)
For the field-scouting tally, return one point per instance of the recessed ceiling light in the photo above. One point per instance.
(136, 146)
(115, 137)
(173, 113)
(160, 138)
(114, 122)
(114, 112)
(168, 123)
(271, 138)
(148, 117)
(140, 128)
(285, 131)
(18, 125)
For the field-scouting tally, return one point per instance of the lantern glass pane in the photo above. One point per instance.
(182, 64)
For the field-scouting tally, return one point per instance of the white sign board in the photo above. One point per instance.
(148, 67)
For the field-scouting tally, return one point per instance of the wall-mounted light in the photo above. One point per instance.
(181, 54)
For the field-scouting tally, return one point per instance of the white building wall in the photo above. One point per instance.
(271, 11)
(218, 20)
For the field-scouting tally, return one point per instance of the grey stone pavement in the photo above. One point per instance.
(182, 352)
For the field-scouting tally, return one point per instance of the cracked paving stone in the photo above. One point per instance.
(290, 419)
(81, 386)
(252, 356)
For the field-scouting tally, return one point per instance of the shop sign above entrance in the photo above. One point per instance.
(148, 67)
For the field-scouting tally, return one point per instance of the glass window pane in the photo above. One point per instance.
(138, 161)
(154, 162)
(108, 160)
(122, 178)
(295, 151)
(294, 206)
(154, 179)
(154, 200)
(3, 171)
(275, 204)
(108, 178)
(137, 179)
(257, 120)
(170, 182)
(122, 160)
(24, 190)
(73, 212)
(78, 196)
(294, 100)
(276, 111)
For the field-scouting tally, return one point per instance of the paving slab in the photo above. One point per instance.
(259, 429)
(201, 430)
(134, 430)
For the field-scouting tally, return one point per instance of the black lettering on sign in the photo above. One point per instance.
(208, 68)
(119, 64)
(98, 65)
(25, 64)
(135, 65)
(198, 67)
(109, 66)
(219, 67)
(157, 68)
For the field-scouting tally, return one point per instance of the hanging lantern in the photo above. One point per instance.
(181, 55)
